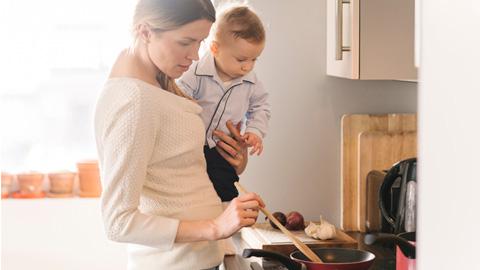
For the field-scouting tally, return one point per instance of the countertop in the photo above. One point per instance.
(385, 256)
(46, 234)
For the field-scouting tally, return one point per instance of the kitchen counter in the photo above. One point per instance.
(237, 262)
(385, 256)
(36, 229)
(45, 234)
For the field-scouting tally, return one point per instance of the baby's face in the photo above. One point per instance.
(236, 57)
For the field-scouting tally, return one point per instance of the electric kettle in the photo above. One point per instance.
(397, 197)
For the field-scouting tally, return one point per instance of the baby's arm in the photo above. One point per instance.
(258, 115)
(255, 141)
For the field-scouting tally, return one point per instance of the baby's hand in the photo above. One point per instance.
(252, 140)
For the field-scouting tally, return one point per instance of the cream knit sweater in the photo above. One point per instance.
(150, 146)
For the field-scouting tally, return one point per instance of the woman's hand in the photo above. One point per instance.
(233, 148)
(241, 212)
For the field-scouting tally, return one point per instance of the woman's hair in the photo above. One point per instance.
(239, 22)
(166, 15)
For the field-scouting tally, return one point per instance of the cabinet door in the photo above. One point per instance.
(343, 21)
(378, 35)
(387, 40)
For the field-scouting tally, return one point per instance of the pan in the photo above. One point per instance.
(333, 259)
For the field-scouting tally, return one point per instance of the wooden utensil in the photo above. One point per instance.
(299, 244)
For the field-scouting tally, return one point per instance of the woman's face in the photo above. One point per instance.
(173, 51)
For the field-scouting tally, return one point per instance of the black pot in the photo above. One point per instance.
(405, 251)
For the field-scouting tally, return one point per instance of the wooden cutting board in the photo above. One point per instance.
(373, 222)
(379, 151)
(351, 127)
(263, 236)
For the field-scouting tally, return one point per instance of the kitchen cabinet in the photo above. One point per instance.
(371, 39)
(47, 234)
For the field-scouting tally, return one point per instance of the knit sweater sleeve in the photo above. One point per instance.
(125, 134)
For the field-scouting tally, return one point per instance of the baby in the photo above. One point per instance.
(225, 86)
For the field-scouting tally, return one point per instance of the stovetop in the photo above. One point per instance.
(385, 257)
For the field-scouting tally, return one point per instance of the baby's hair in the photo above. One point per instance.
(239, 21)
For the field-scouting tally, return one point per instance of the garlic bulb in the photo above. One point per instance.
(322, 231)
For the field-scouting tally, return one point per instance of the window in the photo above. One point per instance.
(56, 55)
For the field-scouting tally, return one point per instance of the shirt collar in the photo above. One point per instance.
(206, 67)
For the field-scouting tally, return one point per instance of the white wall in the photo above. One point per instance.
(449, 157)
(300, 168)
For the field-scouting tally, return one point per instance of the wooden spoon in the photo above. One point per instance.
(299, 244)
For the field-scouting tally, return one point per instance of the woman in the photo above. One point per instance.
(157, 196)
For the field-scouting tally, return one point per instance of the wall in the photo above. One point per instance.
(449, 204)
(300, 168)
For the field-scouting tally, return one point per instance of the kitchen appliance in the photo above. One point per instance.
(404, 261)
(397, 197)
(333, 259)
(405, 251)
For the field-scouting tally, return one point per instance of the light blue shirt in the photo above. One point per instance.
(244, 98)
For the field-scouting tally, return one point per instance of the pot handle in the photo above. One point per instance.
(287, 262)
(406, 247)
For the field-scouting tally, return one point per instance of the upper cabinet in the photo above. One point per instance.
(371, 39)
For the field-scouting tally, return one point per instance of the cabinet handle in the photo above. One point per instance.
(339, 48)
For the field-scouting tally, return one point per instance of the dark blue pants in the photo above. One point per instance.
(221, 173)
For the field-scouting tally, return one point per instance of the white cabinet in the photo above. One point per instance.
(371, 39)
(46, 234)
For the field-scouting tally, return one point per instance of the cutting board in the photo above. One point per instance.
(263, 236)
(373, 222)
(379, 151)
(351, 127)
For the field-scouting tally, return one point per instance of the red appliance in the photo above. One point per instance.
(404, 262)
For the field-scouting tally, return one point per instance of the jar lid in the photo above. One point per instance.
(62, 174)
(88, 162)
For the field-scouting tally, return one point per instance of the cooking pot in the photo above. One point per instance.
(405, 250)
(333, 258)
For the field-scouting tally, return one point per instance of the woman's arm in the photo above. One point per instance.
(241, 212)
(232, 147)
(125, 134)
